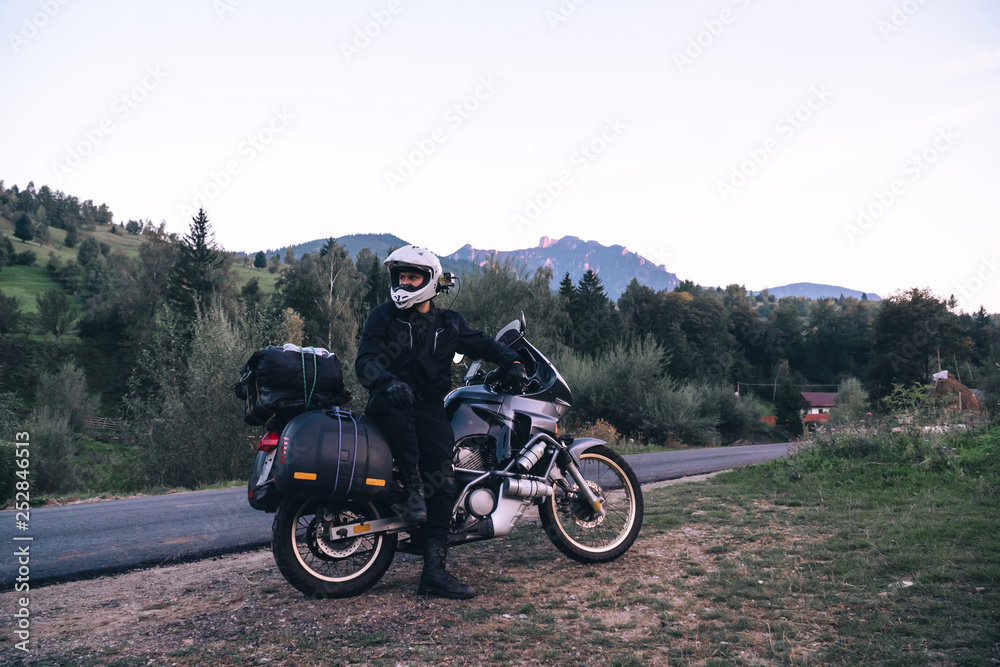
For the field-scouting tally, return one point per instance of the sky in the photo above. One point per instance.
(757, 142)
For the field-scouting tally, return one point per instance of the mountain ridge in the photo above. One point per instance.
(615, 265)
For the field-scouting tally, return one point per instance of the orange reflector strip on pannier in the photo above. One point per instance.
(375, 482)
(363, 528)
(304, 475)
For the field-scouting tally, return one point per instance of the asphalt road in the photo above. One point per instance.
(88, 539)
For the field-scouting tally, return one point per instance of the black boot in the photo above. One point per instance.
(435, 581)
(414, 508)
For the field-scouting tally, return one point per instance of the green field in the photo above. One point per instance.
(25, 283)
(266, 279)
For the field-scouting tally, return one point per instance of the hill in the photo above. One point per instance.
(815, 291)
(615, 265)
(381, 244)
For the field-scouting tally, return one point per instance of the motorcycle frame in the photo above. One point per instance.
(554, 450)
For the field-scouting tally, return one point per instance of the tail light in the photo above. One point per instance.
(268, 443)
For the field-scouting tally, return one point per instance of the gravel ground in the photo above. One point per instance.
(239, 609)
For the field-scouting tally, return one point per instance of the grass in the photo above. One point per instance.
(108, 469)
(25, 283)
(266, 279)
(885, 553)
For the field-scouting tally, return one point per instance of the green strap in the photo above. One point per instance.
(308, 394)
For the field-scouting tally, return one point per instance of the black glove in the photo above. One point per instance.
(400, 394)
(516, 376)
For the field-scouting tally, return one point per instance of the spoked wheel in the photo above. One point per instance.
(582, 533)
(320, 566)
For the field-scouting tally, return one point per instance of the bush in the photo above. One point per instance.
(614, 387)
(25, 258)
(739, 416)
(851, 403)
(600, 429)
(628, 388)
(53, 444)
(66, 393)
(680, 414)
(7, 470)
(183, 414)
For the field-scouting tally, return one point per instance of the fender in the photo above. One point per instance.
(580, 445)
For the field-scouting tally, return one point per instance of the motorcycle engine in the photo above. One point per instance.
(476, 454)
(481, 502)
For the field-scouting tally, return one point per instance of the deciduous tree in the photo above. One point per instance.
(55, 313)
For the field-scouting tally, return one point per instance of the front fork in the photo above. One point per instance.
(567, 464)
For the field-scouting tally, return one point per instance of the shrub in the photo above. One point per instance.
(600, 429)
(739, 416)
(182, 411)
(25, 258)
(628, 388)
(614, 387)
(7, 470)
(676, 413)
(851, 403)
(53, 444)
(66, 393)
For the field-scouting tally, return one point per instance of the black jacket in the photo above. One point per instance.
(418, 349)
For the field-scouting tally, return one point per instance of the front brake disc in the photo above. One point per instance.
(576, 508)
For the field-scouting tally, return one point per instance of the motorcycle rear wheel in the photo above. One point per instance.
(324, 568)
(573, 526)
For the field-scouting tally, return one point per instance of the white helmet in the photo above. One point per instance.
(419, 260)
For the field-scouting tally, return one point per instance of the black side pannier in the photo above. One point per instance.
(332, 455)
(278, 383)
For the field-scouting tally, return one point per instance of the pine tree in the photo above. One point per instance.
(376, 285)
(566, 288)
(197, 272)
(260, 260)
(595, 321)
(788, 406)
(23, 229)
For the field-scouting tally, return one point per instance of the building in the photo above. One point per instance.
(820, 405)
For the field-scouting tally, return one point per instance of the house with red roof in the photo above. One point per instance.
(820, 405)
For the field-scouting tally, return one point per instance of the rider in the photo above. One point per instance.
(404, 360)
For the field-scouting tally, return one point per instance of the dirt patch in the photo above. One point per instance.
(534, 607)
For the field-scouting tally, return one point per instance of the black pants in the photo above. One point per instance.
(421, 437)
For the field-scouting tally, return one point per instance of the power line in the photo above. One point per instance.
(771, 384)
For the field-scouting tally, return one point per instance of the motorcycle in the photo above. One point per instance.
(509, 456)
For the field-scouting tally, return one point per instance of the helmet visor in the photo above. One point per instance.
(409, 278)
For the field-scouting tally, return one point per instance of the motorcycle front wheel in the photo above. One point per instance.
(583, 534)
(322, 567)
